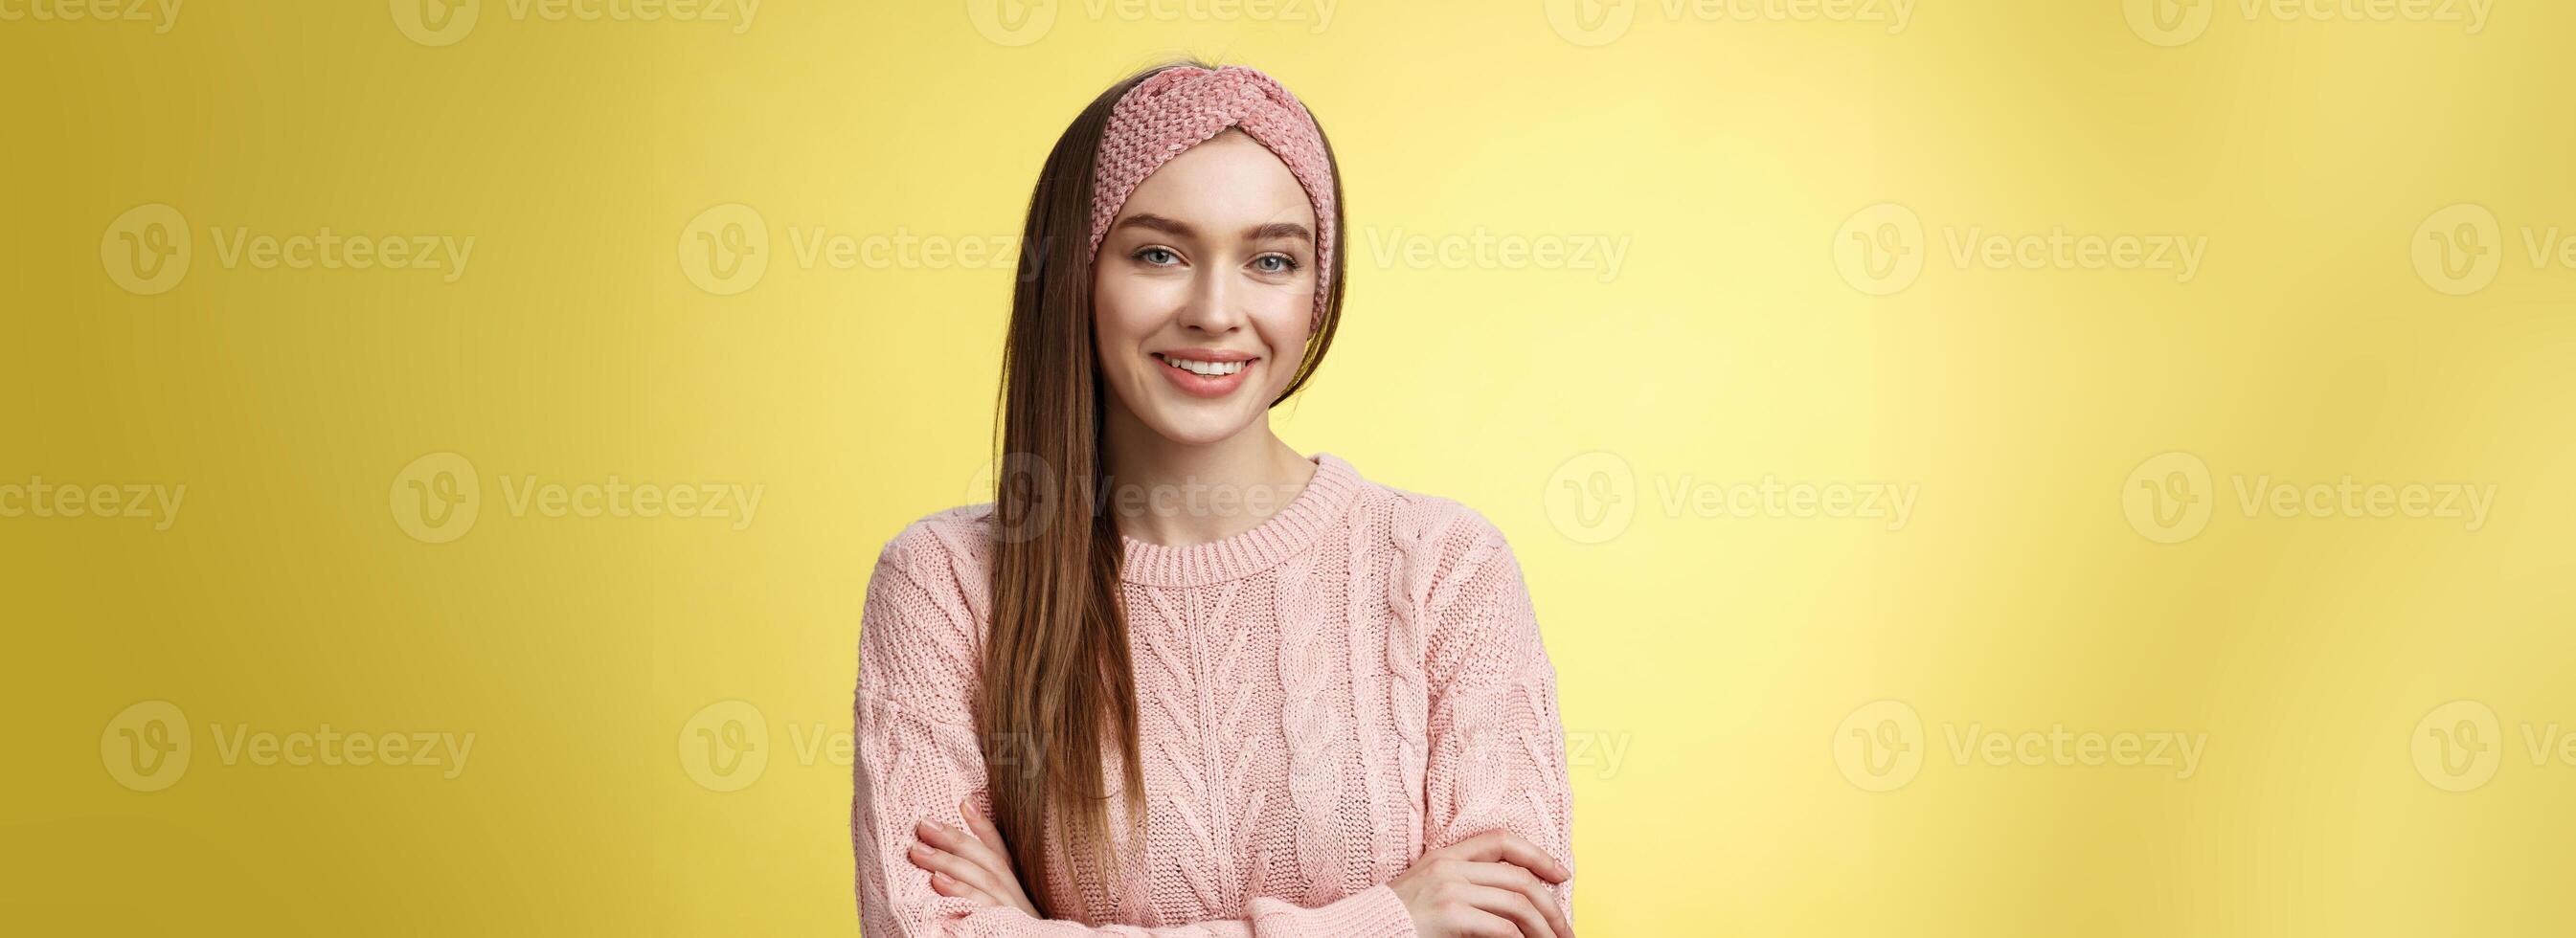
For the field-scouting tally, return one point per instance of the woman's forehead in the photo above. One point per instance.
(1230, 177)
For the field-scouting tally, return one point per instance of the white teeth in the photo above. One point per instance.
(1208, 369)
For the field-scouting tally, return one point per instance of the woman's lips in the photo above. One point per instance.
(1204, 386)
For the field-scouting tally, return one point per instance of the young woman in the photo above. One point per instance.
(1177, 679)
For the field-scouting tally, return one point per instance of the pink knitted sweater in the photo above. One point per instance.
(1323, 698)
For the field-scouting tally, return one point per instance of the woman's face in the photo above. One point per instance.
(1205, 289)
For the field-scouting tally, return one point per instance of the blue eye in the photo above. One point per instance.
(1287, 264)
(1144, 255)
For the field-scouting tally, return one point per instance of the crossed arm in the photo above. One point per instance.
(1497, 827)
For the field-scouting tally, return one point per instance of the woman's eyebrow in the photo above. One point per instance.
(1278, 229)
(1178, 228)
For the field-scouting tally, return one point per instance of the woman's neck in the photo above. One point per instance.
(1182, 494)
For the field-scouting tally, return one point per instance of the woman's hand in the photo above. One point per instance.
(1492, 884)
(970, 862)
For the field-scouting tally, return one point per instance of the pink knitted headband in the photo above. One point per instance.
(1179, 108)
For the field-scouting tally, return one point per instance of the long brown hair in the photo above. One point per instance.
(1058, 686)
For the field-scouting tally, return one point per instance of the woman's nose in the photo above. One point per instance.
(1212, 303)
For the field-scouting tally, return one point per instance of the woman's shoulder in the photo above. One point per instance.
(1420, 519)
(1439, 540)
(947, 547)
(923, 621)
(1456, 578)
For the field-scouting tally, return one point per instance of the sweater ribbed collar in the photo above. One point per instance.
(1315, 510)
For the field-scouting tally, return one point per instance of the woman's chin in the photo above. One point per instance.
(1198, 425)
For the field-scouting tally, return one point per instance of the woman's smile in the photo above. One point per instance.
(1208, 373)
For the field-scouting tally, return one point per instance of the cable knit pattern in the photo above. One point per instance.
(1181, 107)
(1322, 698)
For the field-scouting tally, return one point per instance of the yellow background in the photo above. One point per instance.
(1717, 656)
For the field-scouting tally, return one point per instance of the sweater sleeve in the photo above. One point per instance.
(917, 756)
(1497, 754)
